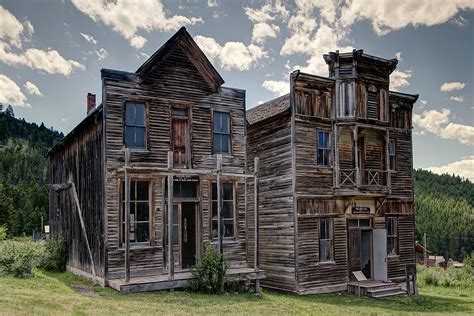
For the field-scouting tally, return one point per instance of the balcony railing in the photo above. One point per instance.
(366, 177)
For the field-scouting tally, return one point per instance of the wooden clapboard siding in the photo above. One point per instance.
(80, 156)
(270, 140)
(406, 248)
(313, 274)
(402, 177)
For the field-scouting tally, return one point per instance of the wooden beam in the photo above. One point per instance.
(127, 218)
(167, 171)
(255, 192)
(219, 203)
(170, 218)
(83, 227)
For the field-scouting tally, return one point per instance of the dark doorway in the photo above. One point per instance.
(360, 246)
(188, 235)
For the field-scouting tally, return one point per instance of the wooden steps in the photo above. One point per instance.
(375, 289)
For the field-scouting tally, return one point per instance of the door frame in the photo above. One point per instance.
(188, 120)
(371, 243)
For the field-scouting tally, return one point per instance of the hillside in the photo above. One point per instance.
(23, 173)
(445, 212)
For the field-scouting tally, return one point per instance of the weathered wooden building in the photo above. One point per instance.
(336, 188)
(177, 137)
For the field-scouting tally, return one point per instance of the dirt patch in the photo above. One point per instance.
(84, 290)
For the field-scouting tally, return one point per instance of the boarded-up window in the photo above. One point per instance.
(180, 136)
(139, 212)
(392, 236)
(323, 149)
(221, 133)
(372, 105)
(346, 100)
(134, 125)
(391, 154)
(326, 240)
(227, 210)
(313, 103)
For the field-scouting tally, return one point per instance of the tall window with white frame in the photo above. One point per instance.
(134, 133)
(221, 133)
(227, 210)
(323, 149)
(392, 236)
(326, 252)
(139, 212)
(391, 154)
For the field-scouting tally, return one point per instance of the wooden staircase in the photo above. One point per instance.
(375, 289)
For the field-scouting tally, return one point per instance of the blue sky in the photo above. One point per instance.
(51, 53)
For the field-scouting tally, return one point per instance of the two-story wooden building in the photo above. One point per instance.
(162, 129)
(336, 188)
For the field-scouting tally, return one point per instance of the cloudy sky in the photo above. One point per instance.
(51, 53)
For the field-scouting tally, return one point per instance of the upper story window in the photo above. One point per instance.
(227, 211)
(180, 137)
(134, 125)
(391, 154)
(326, 240)
(392, 235)
(221, 133)
(346, 100)
(323, 149)
(372, 103)
(139, 212)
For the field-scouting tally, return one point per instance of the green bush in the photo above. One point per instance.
(450, 277)
(55, 255)
(3, 233)
(20, 258)
(209, 275)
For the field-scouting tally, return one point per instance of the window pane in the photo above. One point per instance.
(227, 191)
(175, 235)
(352, 223)
(129, 136)
(228, 228)
(179, 112)
(140, 114)
(143, 211)
(227, 210)
(225, 123)
(391, 246)
(188, 189)
(214, 191)
(133, 196)
(214, 209)
(142, 233)
(217, 122)
(217, 144)
(214, 229)
(129, 114)
(142, 191)
(364, 222)
(322, 229)
(139, 137)
(225, 144)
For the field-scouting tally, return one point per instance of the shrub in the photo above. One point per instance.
(209, 275)
(55, 256)
(3, 233)
(20, 258)
(450, 277)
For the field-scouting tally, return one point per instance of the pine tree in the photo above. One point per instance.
(9, 111)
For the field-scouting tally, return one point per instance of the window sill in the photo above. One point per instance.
(393, 256)
(324, 167)
(137, 150)
(225, 241)
(139, 247)
(327, 263)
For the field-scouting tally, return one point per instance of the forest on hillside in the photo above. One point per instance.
(444, 204)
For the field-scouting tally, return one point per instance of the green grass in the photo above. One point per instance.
(50, 293)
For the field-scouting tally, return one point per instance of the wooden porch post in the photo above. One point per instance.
(256, 241)
(355, 132)
(387, 155)
(127, 217)
(219, 204)
(170, 218)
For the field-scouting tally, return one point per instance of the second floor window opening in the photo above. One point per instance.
(346, 100)
(134, 125)
(221, 133)
(391, 154)
(323, 149)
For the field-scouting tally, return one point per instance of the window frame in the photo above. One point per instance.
(144, 126)
(234, 210)
(330, 230)
(394, 235)
(390, 155)
(326, 149)
(220, 133)
(350, 100)
(135, 244)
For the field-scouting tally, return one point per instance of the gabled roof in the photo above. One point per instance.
(183, 40)
(268, 109)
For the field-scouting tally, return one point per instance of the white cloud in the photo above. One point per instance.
(12, 30)
(457, 98)
(231, 55)
(89, 38)
(388, 15)
(268, 12)
(398, 55)
(102, 53)
(437, 122)
(32, 89)
(10, 92)
(263, 30)
(423, 103)
(452, 86)
(399, 78)
(463, 168)
(49, 61)
(129, 17)
(145, 55)
(212, 3)
(279, 87)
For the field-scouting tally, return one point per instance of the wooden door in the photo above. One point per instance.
(179, 140)
(188, 235)
(354, 251)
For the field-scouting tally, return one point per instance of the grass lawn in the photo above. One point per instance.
(51, 293)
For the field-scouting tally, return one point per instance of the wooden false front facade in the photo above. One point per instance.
(336, 177)
(161, 159)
